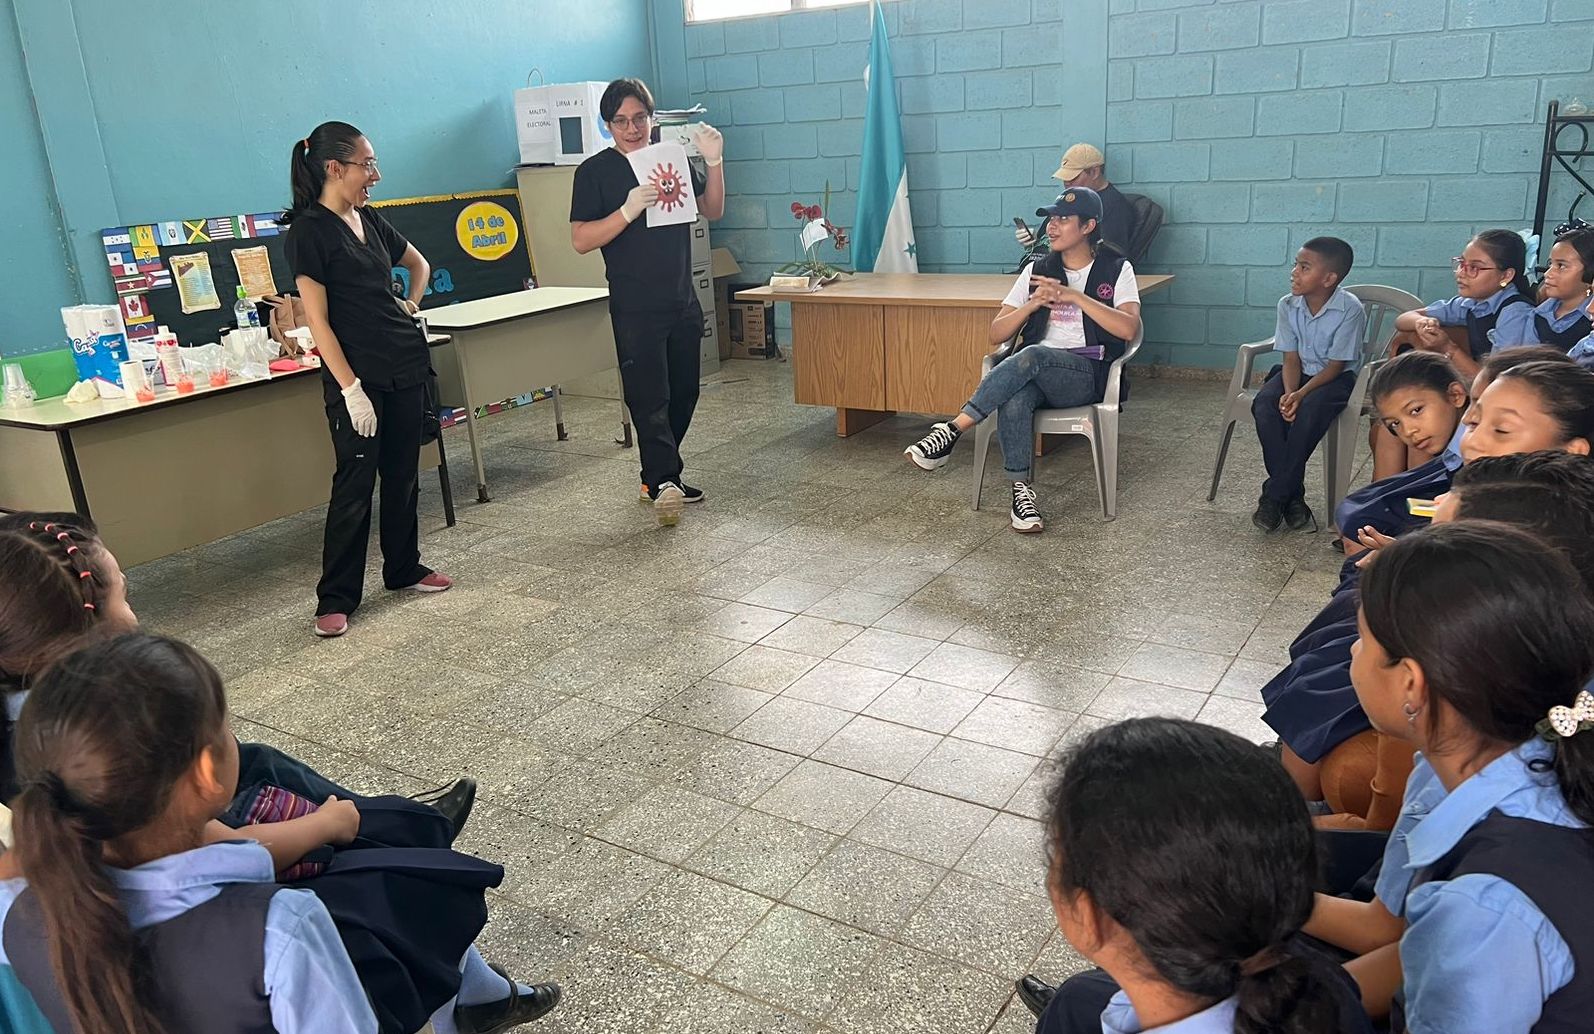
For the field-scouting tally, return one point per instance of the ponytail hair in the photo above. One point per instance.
(1509, 251)
(307, 167)
(1503, 629)
(1198, 846)
(103, 739)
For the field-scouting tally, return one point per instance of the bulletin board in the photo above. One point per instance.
(474, 242)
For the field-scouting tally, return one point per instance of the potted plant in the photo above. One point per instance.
(816, 229)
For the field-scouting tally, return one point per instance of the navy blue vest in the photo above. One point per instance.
(210, 962)
(1553, 866)
(1562, 339)
(1100, 283)
(1478, 328)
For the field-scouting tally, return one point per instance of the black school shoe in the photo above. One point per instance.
(1035, 993)
(497, 1017)
(1269, 514)
(1298, 515)
(455, 802)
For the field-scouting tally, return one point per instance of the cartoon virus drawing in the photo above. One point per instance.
(670, 186)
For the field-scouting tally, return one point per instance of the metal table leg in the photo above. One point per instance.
(624, 441)
(559, 414)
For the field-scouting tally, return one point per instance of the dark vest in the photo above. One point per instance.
(1562, 339)
(1100, 283)
(1553, 866)
(1478, 328)
(210, 961)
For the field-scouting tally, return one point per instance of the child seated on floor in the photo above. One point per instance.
(1529, 407)
(1320, 329)
(1073, 313)
(1477, 640)
(123, 921)
(1550, 494)
(1493, 307)
(1182, 863)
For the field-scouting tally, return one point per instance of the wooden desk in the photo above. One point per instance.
(873, 344)
(162, 476)
(511, 344)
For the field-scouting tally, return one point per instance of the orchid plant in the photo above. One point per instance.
(817, 228)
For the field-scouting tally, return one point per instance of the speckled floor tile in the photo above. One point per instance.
(798, 961)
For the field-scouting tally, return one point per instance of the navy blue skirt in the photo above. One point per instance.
(1311, 704)
(1382, 504)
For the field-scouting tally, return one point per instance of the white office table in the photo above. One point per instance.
(510, 344)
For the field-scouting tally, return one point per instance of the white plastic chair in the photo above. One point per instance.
(1382, 304)
(1098, 422)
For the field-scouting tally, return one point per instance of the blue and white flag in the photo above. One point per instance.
(883, 234)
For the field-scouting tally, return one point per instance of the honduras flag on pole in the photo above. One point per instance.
(883, 235)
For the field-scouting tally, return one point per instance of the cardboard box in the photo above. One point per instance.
(751, 326)
(723, 266)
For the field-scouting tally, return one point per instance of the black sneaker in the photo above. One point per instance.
(1269, 515)
(1025, 517)
(667, 501)
(935, 448)
(1298, 515)
(693, 495)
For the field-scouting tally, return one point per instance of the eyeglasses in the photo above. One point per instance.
(1461, 265)
(638, 122)
(369, 165)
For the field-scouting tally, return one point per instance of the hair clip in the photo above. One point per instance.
(1566, 722)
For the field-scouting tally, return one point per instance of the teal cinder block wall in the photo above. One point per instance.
(1402, 126)
(150, 111)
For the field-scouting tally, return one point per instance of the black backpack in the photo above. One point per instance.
(1147, 221)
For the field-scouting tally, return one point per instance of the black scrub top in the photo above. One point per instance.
(380, 339)
(649, 270)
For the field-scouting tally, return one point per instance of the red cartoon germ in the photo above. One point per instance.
(670, 186)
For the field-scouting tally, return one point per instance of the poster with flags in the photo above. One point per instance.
(882, 239)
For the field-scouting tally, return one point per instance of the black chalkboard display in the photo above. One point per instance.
(475, 243)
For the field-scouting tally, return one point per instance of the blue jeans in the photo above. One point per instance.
(1037, 378)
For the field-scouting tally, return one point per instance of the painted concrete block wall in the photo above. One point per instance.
(33, 267)
(1402, 126)
(987, 104)
(206, 128)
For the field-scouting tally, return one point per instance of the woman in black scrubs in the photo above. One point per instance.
(374, 363)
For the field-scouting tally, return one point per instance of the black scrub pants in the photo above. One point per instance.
(659, 369)
(394, 453)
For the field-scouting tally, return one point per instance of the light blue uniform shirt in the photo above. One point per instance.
(311, 983)
(1583, 352)
(1477, 954)
(1335, 333)
(1119, 1018)
(1514, 327)
(1547, 309)
(1452, 454)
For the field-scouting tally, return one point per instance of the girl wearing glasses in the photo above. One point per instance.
(1493, 308)
(374, 368)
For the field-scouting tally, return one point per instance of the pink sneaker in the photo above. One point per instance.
(433, 582)
(330, 626)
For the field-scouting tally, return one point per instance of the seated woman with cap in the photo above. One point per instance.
(1079, 307)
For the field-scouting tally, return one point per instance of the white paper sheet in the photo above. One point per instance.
(664, 165)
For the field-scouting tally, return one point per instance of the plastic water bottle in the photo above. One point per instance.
(243, 311)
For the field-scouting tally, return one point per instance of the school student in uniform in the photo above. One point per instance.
(374, 362)
(1483, 881)
(1562, 318)
(1320, 330)
(123, 923)
(658, 324)
(1182, 863)
(1074, 312)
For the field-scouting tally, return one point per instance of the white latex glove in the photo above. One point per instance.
(641, 198)
(361, 413)
(1024, 237)
(710, 143)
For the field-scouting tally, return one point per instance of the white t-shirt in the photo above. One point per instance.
(1067, 327)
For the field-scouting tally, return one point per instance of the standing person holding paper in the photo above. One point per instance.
(658, 324)
(374, 364)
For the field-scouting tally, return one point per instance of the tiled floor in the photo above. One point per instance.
(779, 768)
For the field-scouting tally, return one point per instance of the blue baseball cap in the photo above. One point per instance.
(1080, 201)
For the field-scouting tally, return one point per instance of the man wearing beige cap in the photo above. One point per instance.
(1084, 166)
